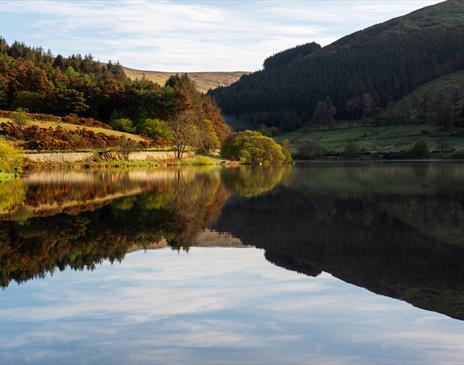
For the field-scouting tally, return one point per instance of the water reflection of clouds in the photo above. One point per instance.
(210, 304)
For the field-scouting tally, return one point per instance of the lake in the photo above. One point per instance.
(353, 263)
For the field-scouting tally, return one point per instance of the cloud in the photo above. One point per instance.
(210, 305)
(189, 36)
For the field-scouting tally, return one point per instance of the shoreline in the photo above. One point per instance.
(351, 161)
(128, 160)
(77, 160)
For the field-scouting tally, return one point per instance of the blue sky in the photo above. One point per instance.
(190, 35)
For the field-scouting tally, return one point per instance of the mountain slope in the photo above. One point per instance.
(387, 60)
(204, 81)
(419, 105)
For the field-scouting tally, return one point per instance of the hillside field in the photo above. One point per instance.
(440, 89)
(379, 140)
(204, 81)
(74, 127)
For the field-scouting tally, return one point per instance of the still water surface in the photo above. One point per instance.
(328, 263)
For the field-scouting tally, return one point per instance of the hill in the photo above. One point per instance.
(204, 81)
(444, 95)
(52, 133)
(386, 62)
(78, 86)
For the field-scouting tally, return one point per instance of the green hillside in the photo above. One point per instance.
(386, 61)
(379, 141)
(445, 91)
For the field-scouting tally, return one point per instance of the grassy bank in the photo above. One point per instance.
(380, 141)
(96, 162)
(202, 160)
(198, 160)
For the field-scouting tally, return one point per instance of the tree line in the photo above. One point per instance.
(36, 80)
(386, 62)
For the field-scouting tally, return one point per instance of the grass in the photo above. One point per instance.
(379, 140)
(204, 81)
(441, 88)
(123, 164)
(200, 160)
(74, 127)
(4, 176)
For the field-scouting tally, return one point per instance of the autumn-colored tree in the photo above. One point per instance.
(42, 83)
(184, 132)
(155, 129)
(209, 138)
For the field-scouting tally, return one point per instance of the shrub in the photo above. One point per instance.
(37, 138)
(311, 149)
(458, 154)
(123, 125)
(268, 131)
(11, 160)
(155, 129)
(445, 145)
(419, 150)
(88, 122)
(287, 149)
(209, 139)
(21, 117)
(253, 148)
(75, 139)
(352, 150)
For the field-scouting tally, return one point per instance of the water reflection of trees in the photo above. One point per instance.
(44, 195)
(77, 220)
(405, 246)
(375, 227)
(12, 195)
(175, 211)
(253, 181)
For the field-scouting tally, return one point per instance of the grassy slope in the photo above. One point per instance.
(394, 138)
(73, 127)
(204, 81)
(438, 89)
(378, 139)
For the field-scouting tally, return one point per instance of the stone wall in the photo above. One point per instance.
(156, 155)
(72, 157)
(59, 157)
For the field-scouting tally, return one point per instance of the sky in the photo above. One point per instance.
(170, 35)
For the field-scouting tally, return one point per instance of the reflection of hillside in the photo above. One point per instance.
(356, 238)
(205, 238)
(80, 241)
(437, 216)
(425, 196)
(385, 178)
(50, 193)
(394, 231)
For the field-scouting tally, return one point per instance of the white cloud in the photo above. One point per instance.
(210, 305)
(189, 36)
